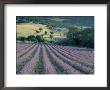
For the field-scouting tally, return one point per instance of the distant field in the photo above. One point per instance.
(57, 19)
(26, 29)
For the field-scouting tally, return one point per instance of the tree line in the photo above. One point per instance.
(79, 37)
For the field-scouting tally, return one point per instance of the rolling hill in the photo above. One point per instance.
(26, 29)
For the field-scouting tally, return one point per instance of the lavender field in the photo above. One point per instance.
(34, 58)
(54, 45)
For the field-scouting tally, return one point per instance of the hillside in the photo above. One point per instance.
(26, 29)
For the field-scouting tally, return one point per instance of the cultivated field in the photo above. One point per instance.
(26, 29)
(53, 59)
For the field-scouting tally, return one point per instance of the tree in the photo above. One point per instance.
(51, 32)
(21, 38)
(31, 38)
(83, 38)
(45, 32)
(40, 38)
(51, 36)
(40, 29)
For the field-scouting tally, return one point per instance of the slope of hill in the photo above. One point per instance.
(26, 29)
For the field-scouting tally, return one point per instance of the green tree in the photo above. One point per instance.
(40, 29)
(21, 38)
(45, 32)
(51, 36)
(31, 38)
(40, 38)
(51, 32)
(83, 38)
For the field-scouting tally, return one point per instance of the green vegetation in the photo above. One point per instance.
(18, 67)
(78, 37)
(36, 39)
(39, 67)
(45, 33)
(84, 38)
(21, 38)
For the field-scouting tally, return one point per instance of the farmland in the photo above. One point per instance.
(55, 45)
(26, 29)
(39, 58)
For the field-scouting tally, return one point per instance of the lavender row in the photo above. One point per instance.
(20, 54)
(74, 63)
(74, 56)
(29, 66)
(67, 68)
(21, 48)
(54, 59)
